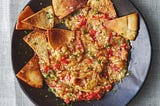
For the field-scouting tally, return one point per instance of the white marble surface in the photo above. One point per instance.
(12, 95)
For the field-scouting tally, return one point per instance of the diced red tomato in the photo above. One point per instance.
(114, 66)
(82, 21)
(125, 46)
(110, 36)
(108, 87)
(68, 77)
(67, 101)
(90, 96)
(52, 85)
(92, 32)
(47, 69)
(105, 16)
(109, 53)
(89, 61)
(64, 60)
(56, 66)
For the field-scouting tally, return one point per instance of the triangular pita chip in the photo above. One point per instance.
(31, 74)
(63, 8)
(38, 42)
(126, 26)
(104, 6)
(59, 37)
(43, 19)
(24, 14)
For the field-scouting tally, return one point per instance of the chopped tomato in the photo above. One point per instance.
(82, 21)
(67, 101)
(110, 36)
(125, 46)
(47, 69)
(92, 32)
(108, 87)
(114, 66)
(56, 66)
(89, 61)
(64, 60)
(93, 96)
(105, 16)
(68, 77)
(52, 85)
(109, 53)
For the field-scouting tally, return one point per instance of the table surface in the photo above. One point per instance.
(12, 95)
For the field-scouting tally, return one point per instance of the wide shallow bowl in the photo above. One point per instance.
(121, 94)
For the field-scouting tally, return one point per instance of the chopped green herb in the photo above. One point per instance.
(88, 51)
(75, 55)
(77, 12)
(97, 0)
(84, 31)
(49, 90)
(63, 104)
(99, 61)
(95, 12)
(108, 45)
(47, 12)
(50, 17)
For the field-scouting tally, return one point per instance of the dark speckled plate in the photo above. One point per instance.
(122, 92)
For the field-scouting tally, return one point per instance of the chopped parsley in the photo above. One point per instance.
(107, 45)
(99, 61)
(84, 31)
(76, 12)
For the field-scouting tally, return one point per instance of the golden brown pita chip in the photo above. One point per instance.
(59, 37)
(38, 42)
(43, 19)
(126, 26)
(63, 8)
(104, 6)
(24, 14)
(31, 74)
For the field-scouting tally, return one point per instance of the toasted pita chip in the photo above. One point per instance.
(126, 26)
(24, 14)
(104, 6)
(59, 37)
(31, 74)
(63, 8)
(38, 42)
(43, 19)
